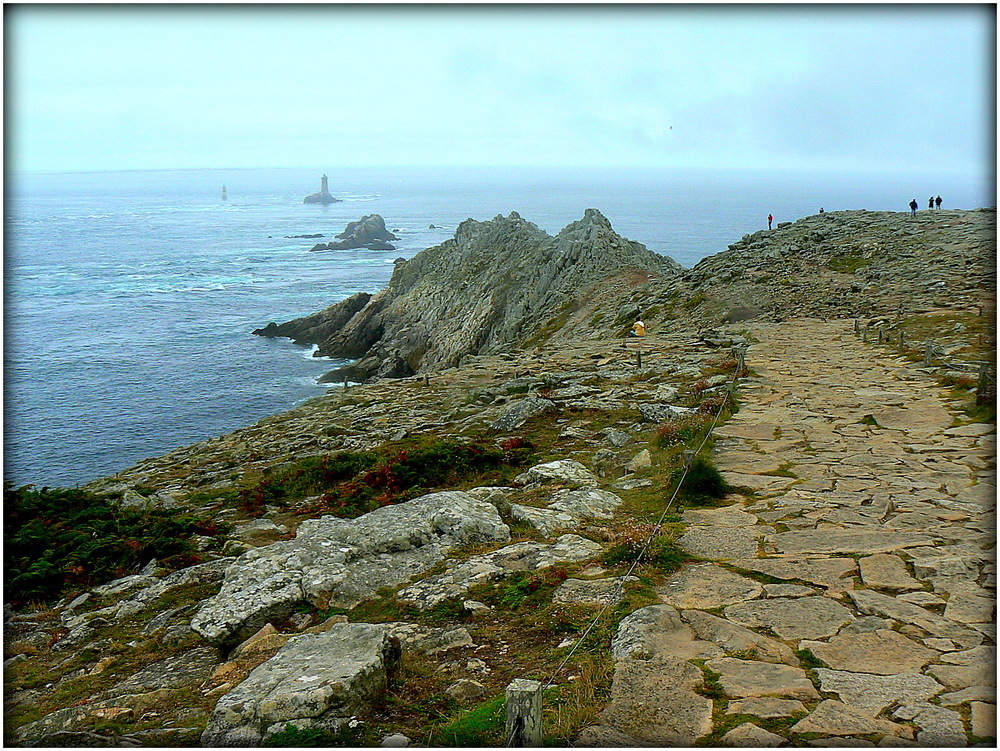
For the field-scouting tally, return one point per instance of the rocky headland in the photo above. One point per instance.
(496, 501)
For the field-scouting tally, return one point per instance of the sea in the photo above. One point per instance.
(130, 297)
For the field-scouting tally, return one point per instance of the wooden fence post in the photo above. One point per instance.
(345, 383)
(928, 353)
(524, 714)
(901, 345)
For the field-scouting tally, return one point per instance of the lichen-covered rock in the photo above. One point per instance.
(335, 674)
(515, 414)
(339, 562)
(564, 471)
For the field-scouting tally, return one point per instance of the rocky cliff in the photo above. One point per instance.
(858, 533)
(493, 285)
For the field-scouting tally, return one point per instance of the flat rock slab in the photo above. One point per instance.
(830, 573)
(882, 652)
(749, 735)
(653, 702)
(335, 674)
(833, 717)
(658, 631)
(722, 543)
(984, 719)
(870, 602)
(734, 638)
(887, 572)
(852, 541)
(939, 727)
(798, 618)
(727, 516)
(767, 707)
(873, 693)
(339, 562)
(706, 586)
(741, 678)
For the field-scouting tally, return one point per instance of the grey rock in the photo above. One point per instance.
(939, 727)
(466, 690)
(873, 693)
(734, 638)
(515, 414)
(340, 562)
(749, 735)
(836, 718)
(706, 586)
(335, 674)
(657, 631)
(564, 471)
(881, 652)
(799, 618)
(592, 591)
(743, 678)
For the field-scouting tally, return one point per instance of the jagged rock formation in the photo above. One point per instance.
(368, 232)
(495, 283)
(323, 197)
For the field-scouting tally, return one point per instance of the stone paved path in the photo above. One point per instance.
(852, 601)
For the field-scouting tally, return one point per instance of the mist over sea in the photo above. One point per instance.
(130, 296)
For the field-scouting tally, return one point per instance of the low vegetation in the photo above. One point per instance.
(60, 540)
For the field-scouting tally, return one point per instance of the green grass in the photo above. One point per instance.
(480, 727)
(848, 263)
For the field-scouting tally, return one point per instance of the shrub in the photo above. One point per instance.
(680, 430)
(629, 544)
(349, 484)
(55, 538)
(703, 483)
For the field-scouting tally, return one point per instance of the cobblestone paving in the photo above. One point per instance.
(852, 600)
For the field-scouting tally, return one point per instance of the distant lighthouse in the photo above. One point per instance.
(224, 196)
(323, 196)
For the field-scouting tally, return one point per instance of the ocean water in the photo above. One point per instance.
(129, 297)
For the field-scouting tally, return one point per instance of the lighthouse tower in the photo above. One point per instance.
(323, 185)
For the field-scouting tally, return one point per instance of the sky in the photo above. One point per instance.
(828, 88)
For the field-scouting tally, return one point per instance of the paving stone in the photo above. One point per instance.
(658, 631)
(722, 543)
(653, 702)
(826, 572)
(727, 516)
(873, 693)
(736, 639)
(800, 618)
(966, 608)
(832, 541)
(924, 599)
(836, 718)
(867, 623)
(766, 707)
(957, 677)
(788, 590)
(887, 572)
(938, 726)
(741, 678)
(882, 652)
(875, 603)
(749, 735)
(984, 719)
(972, 693)
(706, 586)
(981, 655)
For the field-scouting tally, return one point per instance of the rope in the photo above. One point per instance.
(656, 530)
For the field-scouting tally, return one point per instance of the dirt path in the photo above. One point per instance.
(854, 596)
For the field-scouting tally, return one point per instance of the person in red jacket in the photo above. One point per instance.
(769, 220)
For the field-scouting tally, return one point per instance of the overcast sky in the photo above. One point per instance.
(889, 88)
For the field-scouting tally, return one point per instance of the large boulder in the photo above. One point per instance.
(368, 232)
(339, 562)
(315, 680)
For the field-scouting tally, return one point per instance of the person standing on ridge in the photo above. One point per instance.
(769, 220)
(930, 202)
(938, 201)
(913, 207)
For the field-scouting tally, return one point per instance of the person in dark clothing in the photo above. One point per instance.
(930, 202)
(769, 220)
(938, 201)
(913, 207)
